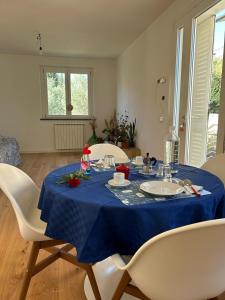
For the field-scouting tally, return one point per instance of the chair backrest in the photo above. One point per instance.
(98, 151)
(216, 166)
(186, 263)
(22, 193)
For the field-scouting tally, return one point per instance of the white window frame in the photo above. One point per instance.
(67, 71)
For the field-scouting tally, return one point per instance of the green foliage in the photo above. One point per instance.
(77, 174)
(79, 94)
(123, 128)
(56, 94)
(120, 129)
(216, 86)
(111, 128)
(132, 133)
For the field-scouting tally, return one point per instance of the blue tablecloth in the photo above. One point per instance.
(96, 222)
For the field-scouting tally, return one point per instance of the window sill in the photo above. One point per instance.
(68, 119)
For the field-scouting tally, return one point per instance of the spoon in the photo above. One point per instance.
(189, 183)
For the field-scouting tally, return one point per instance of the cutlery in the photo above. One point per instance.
(188, 182)
(181, 183)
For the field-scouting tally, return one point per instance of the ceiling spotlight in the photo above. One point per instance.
(40, 43)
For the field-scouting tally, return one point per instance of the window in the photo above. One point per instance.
(66, 92)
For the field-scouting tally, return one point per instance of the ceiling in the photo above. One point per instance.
(87, 28)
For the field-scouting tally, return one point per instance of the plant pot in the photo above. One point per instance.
(131, 144)
(125, 144)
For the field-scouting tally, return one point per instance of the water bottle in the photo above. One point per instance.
(171, 149)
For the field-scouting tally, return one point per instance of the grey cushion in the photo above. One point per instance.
(9, 151)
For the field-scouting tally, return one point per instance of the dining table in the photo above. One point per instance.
(100, 220)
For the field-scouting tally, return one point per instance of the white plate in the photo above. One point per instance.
(152, 173)
(113, 184)
(161, 188)
(137, 165)
(121, 160)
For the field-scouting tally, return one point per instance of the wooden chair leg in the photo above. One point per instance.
(31, 263)
(49, 246)
(93, 282)
(125, 280)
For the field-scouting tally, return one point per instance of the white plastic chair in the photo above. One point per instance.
(187, 263)
(108, 277)
(216, 166)
(24, 196)
(98, 151)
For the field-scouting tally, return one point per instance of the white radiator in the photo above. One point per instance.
(69, 136)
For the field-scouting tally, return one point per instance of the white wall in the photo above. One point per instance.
(150, 57)
(20, 100)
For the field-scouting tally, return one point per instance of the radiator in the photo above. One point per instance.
(69, 136)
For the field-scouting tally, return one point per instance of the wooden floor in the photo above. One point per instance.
(61, 280)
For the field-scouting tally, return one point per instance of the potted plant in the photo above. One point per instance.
(120, 131)
(132, 133)
(123, 131)
(93, 139)
(111, 129)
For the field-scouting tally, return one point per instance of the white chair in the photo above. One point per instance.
(24, 195)
(187, 263)
(108, 277)
(216, 166)
(98, 151)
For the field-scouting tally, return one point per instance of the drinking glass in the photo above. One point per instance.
(164, 171)
(160, 171)
(109, 161)
(167, 173)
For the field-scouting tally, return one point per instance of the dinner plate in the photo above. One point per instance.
(112, 183)
(150, 174)
(137, 165)
(161, 188)
(122, 160)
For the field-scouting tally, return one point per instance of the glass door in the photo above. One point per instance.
(203, 120)
(215, 103)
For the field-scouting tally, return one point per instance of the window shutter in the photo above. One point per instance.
(201, 91)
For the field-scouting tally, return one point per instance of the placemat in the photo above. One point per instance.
(132, 195)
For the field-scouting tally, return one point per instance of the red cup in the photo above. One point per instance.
(123, 169)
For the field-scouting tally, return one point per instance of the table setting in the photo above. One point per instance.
(116, 209)
(165, 186)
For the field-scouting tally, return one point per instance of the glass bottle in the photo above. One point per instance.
(146, 161)
(171, 149)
